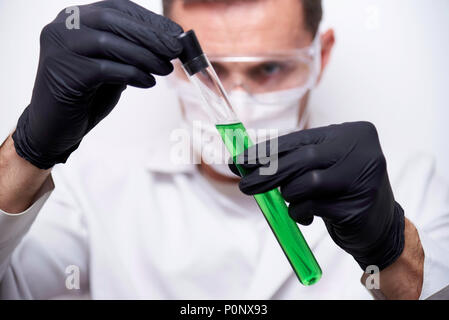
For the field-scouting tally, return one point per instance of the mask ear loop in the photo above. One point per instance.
(302, 123)
(316, 52)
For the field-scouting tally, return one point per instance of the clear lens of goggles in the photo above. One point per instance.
(258, 75)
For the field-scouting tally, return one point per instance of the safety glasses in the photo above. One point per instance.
(275, 71)
(266, 77)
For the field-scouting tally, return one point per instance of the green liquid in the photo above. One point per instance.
(275, 211)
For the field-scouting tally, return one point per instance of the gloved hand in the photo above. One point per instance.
(83, 72)
(338, 173)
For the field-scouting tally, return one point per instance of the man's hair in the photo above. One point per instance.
(313, 11)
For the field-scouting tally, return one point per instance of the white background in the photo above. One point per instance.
(390, 66)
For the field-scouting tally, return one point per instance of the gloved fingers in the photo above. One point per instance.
(302, 212)
(105, 45)
(144, 15)
(119, 73)
(283, 144)
(316, 184)
(279, 172)
(106, 98)
(262, 153)
(258, 155)
(132, 29)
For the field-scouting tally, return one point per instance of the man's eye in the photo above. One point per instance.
(266, 71)
(270, 68)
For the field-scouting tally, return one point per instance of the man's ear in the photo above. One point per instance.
(327, 44)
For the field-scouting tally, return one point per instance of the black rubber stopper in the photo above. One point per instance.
(192, 48)
(192, 54)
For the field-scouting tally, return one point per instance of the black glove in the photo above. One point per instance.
(338, 173)
(83, 72)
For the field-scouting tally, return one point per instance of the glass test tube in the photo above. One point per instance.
(234, 135)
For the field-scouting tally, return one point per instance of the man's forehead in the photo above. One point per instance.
(245, 27)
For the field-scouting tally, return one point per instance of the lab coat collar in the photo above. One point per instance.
(273, 268)
(158, 158)
(160, 162)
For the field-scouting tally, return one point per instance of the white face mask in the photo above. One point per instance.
(280, 111)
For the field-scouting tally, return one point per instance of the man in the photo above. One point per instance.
(130, 230)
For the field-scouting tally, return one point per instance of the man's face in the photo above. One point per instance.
(250, 28)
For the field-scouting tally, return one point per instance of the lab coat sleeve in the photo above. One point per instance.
(428, 208)
(43, 250)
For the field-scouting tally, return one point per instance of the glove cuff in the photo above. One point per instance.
(25, 149)
(391, 246)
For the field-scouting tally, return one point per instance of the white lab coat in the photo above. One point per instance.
(142, 227)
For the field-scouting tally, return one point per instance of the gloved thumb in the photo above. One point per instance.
(301, 212)
(233, 168)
